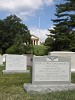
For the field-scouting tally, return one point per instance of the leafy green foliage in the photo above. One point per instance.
(39, 50)
(13, 32)
(49, 43)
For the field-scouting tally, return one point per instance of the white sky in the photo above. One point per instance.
(23, 7)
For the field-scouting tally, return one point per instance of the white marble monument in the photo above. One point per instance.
(66, 54)
(15, 64)
(49, 74)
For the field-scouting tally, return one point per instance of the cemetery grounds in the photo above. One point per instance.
(11, 88)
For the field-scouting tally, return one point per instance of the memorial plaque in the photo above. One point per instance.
(51, 69)
(16, 62)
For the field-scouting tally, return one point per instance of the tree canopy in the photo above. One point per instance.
(49, 43)
(63, 31)
(14, 35)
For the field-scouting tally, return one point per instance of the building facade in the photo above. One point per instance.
(35, 40)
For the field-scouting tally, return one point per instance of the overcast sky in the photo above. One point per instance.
(31, 12)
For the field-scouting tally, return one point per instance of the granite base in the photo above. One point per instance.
(48, 88)
(15, 71)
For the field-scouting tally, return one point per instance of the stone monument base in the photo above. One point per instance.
(15, 71)
(48, 88)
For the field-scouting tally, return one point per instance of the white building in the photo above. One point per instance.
(35, 40)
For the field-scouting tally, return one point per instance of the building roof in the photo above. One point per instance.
(34, 37)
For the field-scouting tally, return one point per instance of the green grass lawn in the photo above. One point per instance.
(11, 88)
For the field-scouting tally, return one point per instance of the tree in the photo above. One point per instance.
(13, 32)
(64, 26)
(49, 43)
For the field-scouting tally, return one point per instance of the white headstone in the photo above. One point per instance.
(15, 63)
(51, 69)
(66, 54)
(50, 73)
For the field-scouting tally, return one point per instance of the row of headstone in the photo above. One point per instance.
(49, 74)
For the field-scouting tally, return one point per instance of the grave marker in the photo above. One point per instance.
(15, 64)
(66, 54)
(49, 74)
(50, 69)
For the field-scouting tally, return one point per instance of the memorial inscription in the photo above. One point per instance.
(66, 54)
(50, 74)
(51, 70)
(15, 64)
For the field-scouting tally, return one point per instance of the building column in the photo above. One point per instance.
(35, 42)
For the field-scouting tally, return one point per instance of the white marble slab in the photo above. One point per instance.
(51, 69)
(15, 63)
(66, 54)
(50, 74)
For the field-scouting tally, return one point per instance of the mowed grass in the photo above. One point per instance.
(11, 88)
